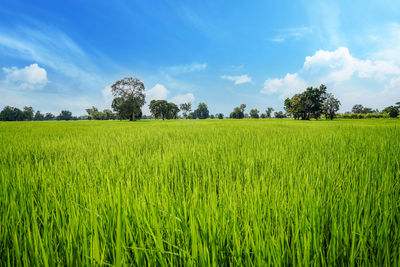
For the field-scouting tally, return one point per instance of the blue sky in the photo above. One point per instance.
(65, 54)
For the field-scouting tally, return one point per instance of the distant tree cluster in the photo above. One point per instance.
(312, 103)
(95, 114)
(161, 109)
(201, 112)
(360, 112)
(28, 114)
(238, 112)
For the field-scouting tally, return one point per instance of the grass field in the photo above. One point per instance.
(213, 192)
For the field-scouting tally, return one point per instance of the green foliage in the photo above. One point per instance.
(95, 114)
(393, 111)
(219, 116)
(254, 114)
(330, 106)
(65, 115)
(39, 116)
(268, 112)
(360, 109)
(308, 104)
(28, 114)
(280, 115)
(201, 112)
(237, 112)
(129, 98)
(186, 108)
(161, 109)
(363, 116)
(49, 117)
(200, 193)
(11, 114)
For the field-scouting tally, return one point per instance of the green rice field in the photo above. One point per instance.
(200, 192)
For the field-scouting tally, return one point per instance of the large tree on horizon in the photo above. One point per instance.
(161, 109)
(129, 98)
(308, 104)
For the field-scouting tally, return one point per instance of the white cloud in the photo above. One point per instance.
(157, 92)
(237, 79)
(179, 69)
(107, 95)
(180, 99)
(291, 33)
(339, 65)
(31, 77)
(286, 86)
(352, 80)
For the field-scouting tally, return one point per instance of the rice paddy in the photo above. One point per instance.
(200, 192)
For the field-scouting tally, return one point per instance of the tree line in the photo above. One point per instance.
(28, 114)
(129, 98)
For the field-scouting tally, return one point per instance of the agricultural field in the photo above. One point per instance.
(200, 192)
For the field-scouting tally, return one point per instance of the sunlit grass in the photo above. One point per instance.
(214, 192)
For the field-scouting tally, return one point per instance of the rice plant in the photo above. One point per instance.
(200, 192)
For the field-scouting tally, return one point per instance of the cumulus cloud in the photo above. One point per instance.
(290, 84)
(351, 79)
(237, 79)
(31, 77)
(339, 65)
(180, 99)
(157, 92)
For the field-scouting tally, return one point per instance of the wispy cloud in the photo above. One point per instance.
(180, 69)
(291, 33)
(237, 79)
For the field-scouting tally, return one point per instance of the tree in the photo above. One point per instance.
(237, 113)
(308, 104)
(392, 111)
(219, 116)
(268, 112)
(11, 114)
(172, 111)
(49, 117)
(39, 116)
(242, 107)
(263, 116)
(330, 106)
(28, 113)
(161, 109)
(201, 112)
(93, 113)
(358, 108)
(129, 98)
(212, 116)
(186, 108)
(254, 114)
(109, 115)
(65, 115)
(279, 115)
